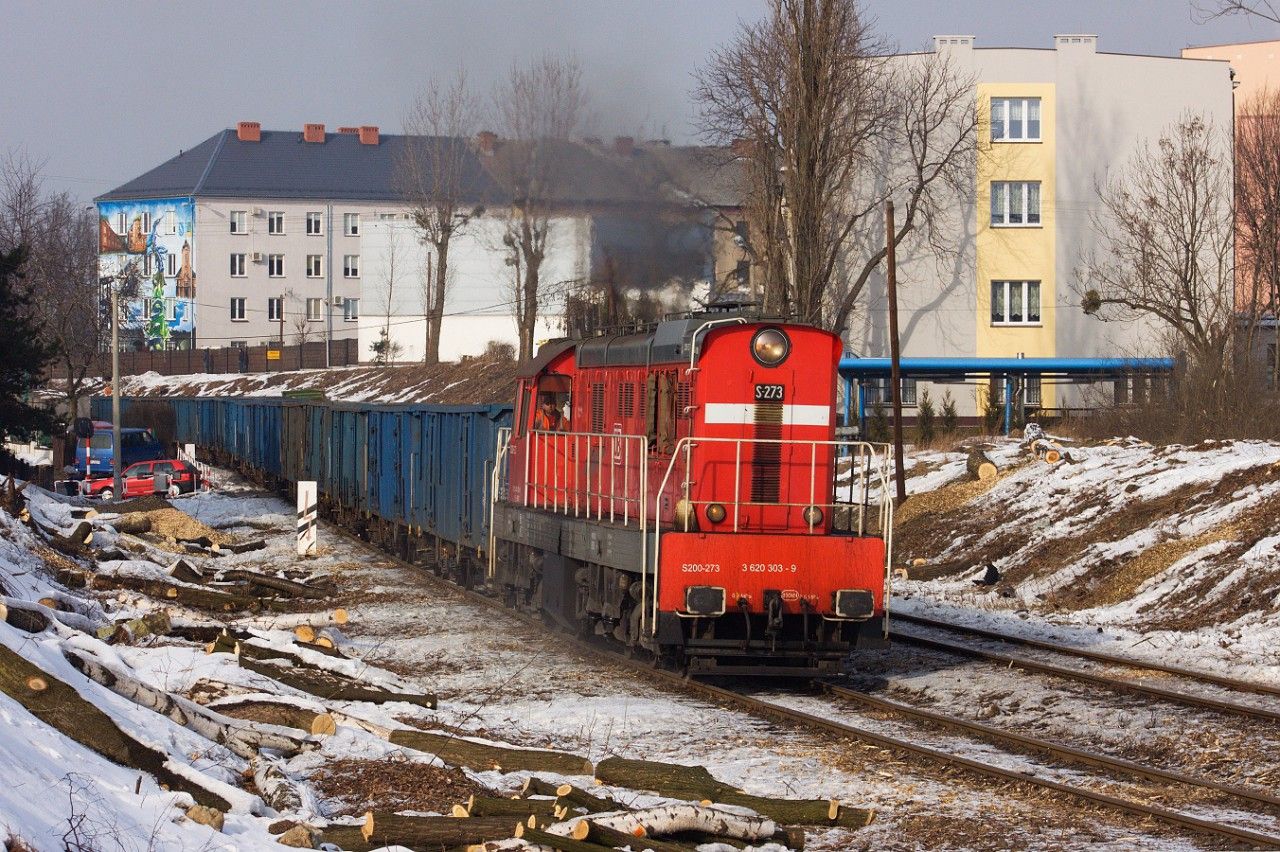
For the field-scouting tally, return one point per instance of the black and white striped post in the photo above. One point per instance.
(307, 518)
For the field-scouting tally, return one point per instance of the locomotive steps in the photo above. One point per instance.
(256, 663)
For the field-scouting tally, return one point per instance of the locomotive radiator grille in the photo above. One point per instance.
(766, 474)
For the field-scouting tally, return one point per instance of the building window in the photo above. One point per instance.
(877, 391)
(315, 309)
(351, 224)
(146, 223)
(351, 310)
(1015, 302)
(351, 266)
(239, 344)
(239, 222)
(170, 223)
(171, 264)
(387, 217)
(1015, 203)
(170, 309)
(743, 273)
(237, 309)
(275, 309)
(146, 265)
(315, 267)
(120, 224)
(275, 266)
(1032, 395)
(908, 391)
(237, 266)
(1015, 119)
(275, 222)
(314, 225)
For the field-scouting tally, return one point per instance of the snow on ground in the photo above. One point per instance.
(1164, 553)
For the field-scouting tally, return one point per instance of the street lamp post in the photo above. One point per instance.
(116, 454)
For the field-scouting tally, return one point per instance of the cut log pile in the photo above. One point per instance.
(295, 688)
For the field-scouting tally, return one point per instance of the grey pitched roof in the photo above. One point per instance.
(281, 165)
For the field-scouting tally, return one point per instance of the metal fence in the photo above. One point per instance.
(227, 359)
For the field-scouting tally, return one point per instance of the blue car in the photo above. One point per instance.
(135, 445)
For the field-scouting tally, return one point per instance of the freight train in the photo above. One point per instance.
(680, 490)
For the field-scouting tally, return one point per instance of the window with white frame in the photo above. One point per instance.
(237, 309)
(877, 391)
(171, 264)
(351, 224)
(121, 227)
(1032, 394)
(1015, 302)
(315, 309)
(387, 217)
(146, 265)
(146, 223)
(1015, 204)
(275, 266)
(351, 310)
(351, 266)
(275, 222)
(315, 224)
(239, 344)
(315, 266)
(275, 309)
(170, 222)
(237, 266)
(1015, 119)
(170, 309)
(239, 221)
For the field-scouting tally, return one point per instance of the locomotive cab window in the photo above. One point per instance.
(552, 404)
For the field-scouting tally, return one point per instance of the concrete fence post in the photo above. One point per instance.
(307, 518)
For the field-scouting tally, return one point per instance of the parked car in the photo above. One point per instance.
(135, 445)
(139, 479)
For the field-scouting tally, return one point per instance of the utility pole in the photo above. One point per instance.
(328, 285)
(117, 454)
(281, 318)
(895, 377)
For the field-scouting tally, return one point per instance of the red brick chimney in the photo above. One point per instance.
(352, 130)
(313, 133)
(743, 147)
(249, 131)
(624, 146)
(487, 142)
(368, 134)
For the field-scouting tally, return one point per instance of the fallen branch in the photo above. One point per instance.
(457, 751)
(330, 685)
(245, 739)
(416, 832)
(695, 783)
(70, 620)
(276, 788)
(61, 707)
(276, 584)
(591, 831)
(186, 595)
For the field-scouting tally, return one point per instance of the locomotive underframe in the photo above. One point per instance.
(585, 576)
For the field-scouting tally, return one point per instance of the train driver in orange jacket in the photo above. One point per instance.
(549, 418)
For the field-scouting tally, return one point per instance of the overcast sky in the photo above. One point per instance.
(101, 92)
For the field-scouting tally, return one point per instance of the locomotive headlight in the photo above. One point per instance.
(770, 346)
(812, 516)
(715, 513)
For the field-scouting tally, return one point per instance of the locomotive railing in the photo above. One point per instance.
(867, 470)
(586, 474)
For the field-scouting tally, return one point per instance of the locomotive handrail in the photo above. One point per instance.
(499, 457)
(865, 450)
(709, 324)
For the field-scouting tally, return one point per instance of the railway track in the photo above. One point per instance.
(1220, 831)
(1095, 656)
(1204, 702)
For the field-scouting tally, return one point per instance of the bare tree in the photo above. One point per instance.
(538, 107)
(382, 348)
(61, 269)
(1257, 150)
(1166, 233)
(1267, 10)
(829, 134)
(434, 169)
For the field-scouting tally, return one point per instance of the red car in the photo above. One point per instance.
(139, 479)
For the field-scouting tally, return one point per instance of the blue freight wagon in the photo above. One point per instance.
(413, 478)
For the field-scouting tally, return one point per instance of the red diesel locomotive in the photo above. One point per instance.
(682, 490)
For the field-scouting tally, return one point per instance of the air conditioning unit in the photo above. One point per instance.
(257, 257)
(339, 301)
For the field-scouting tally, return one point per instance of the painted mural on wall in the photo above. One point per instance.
(147, 245)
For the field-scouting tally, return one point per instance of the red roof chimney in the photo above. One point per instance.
(313, 133)
(349, 130)
(623, 146)
(249, 131)
(487, 142)
(368, 134)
